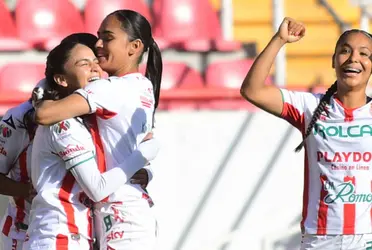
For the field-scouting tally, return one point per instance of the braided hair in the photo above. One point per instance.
(325, 100)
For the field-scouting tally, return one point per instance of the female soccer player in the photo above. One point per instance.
(124, 105)
(336, 129)
(17, 130)
(64, 168)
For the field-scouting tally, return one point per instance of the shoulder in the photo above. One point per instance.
(72, 125)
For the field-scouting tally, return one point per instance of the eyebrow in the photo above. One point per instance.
(105, 32)
(362, 47)
(84, 59)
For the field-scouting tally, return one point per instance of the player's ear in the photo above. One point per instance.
(60, 80)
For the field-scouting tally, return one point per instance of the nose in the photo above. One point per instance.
(354, 56)
(96, 68)
(99, 43)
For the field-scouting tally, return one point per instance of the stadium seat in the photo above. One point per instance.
(18, 79)
(179, 76)
(228, 75)
(45, 23)
(96, 10)
(190, 25)
(9, 39)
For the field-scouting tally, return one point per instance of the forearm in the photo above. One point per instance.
(100, 185)
(260, 69)
(51, 112)
(13, 188)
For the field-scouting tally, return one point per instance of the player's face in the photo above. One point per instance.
(352, 61)
(81, 67)
(113, 46)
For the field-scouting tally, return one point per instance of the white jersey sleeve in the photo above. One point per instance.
(13, 137)
(70, 144)
(295, 105)
(98, 95)
(74, 147)
(100, 185)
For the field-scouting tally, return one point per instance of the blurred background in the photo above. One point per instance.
(227, 177)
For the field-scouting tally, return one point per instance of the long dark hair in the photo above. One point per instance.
(325, 100)
(57, 58)
(137, 27)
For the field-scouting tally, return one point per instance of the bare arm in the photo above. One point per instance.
(50, 112)
(13, 188)
(253, 87)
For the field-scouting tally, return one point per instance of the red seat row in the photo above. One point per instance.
(182, 86)
(190, 25)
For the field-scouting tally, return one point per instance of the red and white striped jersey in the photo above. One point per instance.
(15, 162)
(59, 208)
(337, 194)
(124, 109)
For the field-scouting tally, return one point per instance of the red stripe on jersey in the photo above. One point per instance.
(105, 114)
(293, 115)
(323, 208)
(20, 202)
(61, 242)
(64, 196)
(100, 153)
(7, 225)
(146, 102)
(349, 212)
(90, 223)
(305, 195)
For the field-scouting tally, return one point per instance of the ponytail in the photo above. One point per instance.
(154, 69)
(317, 112)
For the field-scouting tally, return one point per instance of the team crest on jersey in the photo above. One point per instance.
(61, 127)
(5, 131)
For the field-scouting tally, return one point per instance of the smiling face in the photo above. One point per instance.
(117, 49)
(352, 60)
(80, 68)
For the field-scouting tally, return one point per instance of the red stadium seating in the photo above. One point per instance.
(96, 10)
(179, 76)
(228, 75)
(44, 23)
(191, 25)
(9, 39)
(18, 79)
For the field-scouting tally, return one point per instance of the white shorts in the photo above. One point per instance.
(11, 244)
(61, 242)
(126, 226)
(336, 242)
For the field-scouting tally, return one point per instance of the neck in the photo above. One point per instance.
(353, 98)
(125, 70)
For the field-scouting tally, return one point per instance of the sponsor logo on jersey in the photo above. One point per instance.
(10, 122)
(61, 127)
(344, 193)
(114, 235)
(344, 156)
(342, 131)
(5, 131)
(70, 149)
(2, 151)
